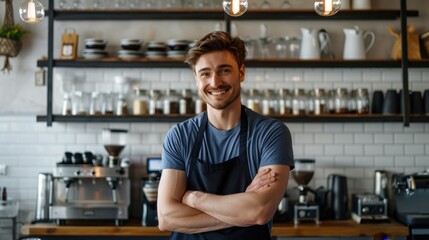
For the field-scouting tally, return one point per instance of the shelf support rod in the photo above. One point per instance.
(50, 66)
(227, 20)
(404, 63)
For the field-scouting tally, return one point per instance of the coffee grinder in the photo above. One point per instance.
(114, 141)
(304, 209)
(150, 192)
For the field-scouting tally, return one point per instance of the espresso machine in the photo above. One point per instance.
(150, 192)
(83, 189)
(304, 209)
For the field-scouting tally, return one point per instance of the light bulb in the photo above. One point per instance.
(31, 11)
(235, 8)
(327, 7)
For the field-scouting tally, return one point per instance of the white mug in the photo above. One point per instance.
(345, 4)
(361, 4)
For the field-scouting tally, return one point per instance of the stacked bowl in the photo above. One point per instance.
(156, 49)
(177, 48)
(130, 49)
(94, 48)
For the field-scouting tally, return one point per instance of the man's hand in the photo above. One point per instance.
(262, 180)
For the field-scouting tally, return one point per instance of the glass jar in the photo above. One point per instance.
(285, 101)
(67, 105)
(270, 103)
(341, 101)
(141, 102)
(80, 103)
(352, 102)
(282, 46)
(108, 103)
(319, 101)
(331, 101)
(299, 102)
(155, 102)
(95, 107)
(186, 102)
(362, 101)
(171, 102)
(200, 104)
(294, 47)
(310, 102)
(254, 100)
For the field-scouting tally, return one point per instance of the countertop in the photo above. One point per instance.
(343, 228)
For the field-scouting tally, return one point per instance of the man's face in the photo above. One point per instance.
(218, 78)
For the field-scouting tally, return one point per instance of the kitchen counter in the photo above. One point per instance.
(346, 228)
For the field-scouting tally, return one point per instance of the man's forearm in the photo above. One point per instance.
(255, 206)
(182, 218)
(241, 209)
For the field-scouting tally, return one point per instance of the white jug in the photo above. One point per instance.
(310, 46)
(361, 4)
(354, 46)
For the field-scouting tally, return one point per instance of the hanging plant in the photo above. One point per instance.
(11, 36)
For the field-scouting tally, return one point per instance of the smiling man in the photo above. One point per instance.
(225, 170)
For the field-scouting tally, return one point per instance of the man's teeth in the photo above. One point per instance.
(218, 93)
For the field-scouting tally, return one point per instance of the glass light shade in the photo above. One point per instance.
(235, 8)
(31, 11)
(327, 7)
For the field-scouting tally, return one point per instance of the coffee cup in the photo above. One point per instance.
(377, 102)
(391, 102)
(426, 102)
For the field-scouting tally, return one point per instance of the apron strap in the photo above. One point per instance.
(198, 141)
(197, 145)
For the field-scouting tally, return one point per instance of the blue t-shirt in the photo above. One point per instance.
(269, 142)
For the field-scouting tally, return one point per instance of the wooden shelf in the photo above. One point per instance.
(331, 118)
(328, 228)
(218, 14)
(114, 62)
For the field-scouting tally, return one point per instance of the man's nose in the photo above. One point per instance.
(216, 80)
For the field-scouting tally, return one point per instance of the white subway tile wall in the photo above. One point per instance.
(353, 149)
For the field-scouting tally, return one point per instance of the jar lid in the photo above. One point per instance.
(304, 160)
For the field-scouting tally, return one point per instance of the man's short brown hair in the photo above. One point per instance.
(217, 41)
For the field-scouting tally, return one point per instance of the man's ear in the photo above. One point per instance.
(242, 72)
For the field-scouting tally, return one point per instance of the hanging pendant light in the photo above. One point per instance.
(235, 8)
(327, 7)
(31, 11)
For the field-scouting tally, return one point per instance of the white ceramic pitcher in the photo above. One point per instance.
(354, 44)
(310, 46)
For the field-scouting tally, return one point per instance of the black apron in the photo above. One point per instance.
(228, 177)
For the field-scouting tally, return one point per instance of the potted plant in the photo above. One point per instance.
(11, 36)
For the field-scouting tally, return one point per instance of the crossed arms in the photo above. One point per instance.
(185, 211)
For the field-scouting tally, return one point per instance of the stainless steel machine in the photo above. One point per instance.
(411, 194)
(82, 187)
(80, 192)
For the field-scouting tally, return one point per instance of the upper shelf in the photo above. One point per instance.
(329, 118)
(254, 63)
(216, 14)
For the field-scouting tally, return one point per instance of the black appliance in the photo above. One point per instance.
(339, 200)
(411, 194)
(150, 192)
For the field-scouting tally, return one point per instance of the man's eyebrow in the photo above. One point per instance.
(203, 69)
(224, 66)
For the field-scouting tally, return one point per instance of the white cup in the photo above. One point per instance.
(361, 4)
(345, 4)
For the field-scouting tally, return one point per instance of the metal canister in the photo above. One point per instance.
(380, 183)
(43, 196)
